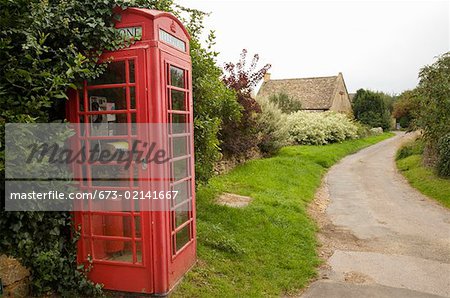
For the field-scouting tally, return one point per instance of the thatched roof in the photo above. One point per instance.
(314, 93)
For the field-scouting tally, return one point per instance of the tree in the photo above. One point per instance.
(405, 108)
(370, 108)
(286, 103)
(240, 137)
(434, 105)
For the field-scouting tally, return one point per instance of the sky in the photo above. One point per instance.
(379, 45)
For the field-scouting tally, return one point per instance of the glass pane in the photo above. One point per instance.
(178, 100)
(135, 175)
(108, 150)
(132, 71)
(182, 192)
(180, 169)
(110, 175)
(113, 250)
(81, 99)
(83, 175)
(176, 77)
(114, 74)
(179, 124)
(87, 247)
(86, 225)
(183, 237)
(133, 124)
(107, 100)
(100, 126)
(81, 127)
(182, 214)
(180, 146)
(132, 97)
(137, 226)
(111, 225)
(139, 252)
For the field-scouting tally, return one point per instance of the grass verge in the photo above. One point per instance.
(269, 247)
(409, 162)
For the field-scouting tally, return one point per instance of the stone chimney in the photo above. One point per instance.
(267, 77)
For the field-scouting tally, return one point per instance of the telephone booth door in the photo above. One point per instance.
(117, 242)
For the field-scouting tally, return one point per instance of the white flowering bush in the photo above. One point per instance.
(320, 128)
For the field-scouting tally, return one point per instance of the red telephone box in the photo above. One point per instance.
(145, 251)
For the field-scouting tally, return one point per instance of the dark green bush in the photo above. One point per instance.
(214, 104)
(370, 108)
(433, 116)
(443, 164)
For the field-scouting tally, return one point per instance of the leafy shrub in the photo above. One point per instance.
(363, 130)
(406, 108)
(214, 104)
(433, 116)
(371, 108)
(272, 127)
(286, 103)
(443, 164)
(415, 147)
(241, 137)
(46, 243)
(320, 128)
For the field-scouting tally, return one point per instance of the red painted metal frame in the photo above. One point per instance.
(162, 265)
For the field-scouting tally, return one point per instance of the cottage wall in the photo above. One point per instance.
(341, 100)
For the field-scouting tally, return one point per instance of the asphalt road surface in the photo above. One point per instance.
(380, 237)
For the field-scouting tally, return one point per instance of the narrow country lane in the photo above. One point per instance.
(381, 237)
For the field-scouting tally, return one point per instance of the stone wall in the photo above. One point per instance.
(14, 278)
(226, 164)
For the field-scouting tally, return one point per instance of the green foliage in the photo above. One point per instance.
(286, 103)
(44, 243)
(363, 130)
(271, 123)
(267, 249)
(406, 108)
(371, 108)
(411, 148)
(425, 179)
(434, 105)
(214, 102)
(241, 137)
(443, 164)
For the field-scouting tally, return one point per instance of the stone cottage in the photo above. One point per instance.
(318, 94)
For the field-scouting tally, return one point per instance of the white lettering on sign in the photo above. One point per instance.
(172, 40)
(131, 32)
